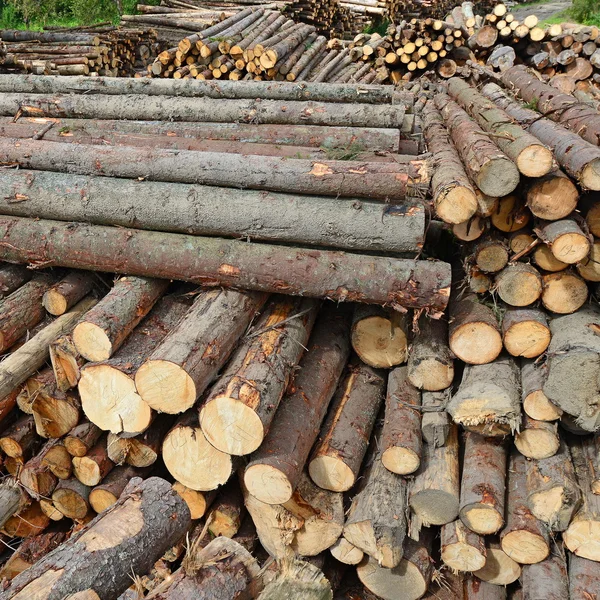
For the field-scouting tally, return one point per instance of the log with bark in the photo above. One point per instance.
(584, 579)
(107, 493)
(547, 579)
(461, 548)
(71, 498)
(535, 403)
(227, 511)
(12, 499)
(499, 569)
(435, 422)
(81, 438)
(250, 266)
(67, 292)
(12, 277)
(537, 439)
(66, 362)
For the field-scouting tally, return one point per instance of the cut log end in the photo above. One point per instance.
(482, 518)
(165, 386)
(476, 343)
(101, 499)
(400, 460)
(92, 342)
(499, 568)
(432, 375)
(535, 161)
(525, 547)
(564, 293)
(331, 473)
(231, 426)
(379, 343)
(87, 471)
(434, 507)
(538, 407)
(346, 553)
(55, 303)
(498, 177)
(404, 581)
(196, 501)
(268, 484)
(537, 443)
(528, 339)
(463, 557)
(581, 538)
(590, 176)
(70, 504)
(571, 248)
(456, 205)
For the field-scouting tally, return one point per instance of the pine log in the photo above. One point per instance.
(82, 438)
(525, 332)
(55, 412)
(409, 580)
(241, 405)
(579, 158)
(148, 519)
(537, 439)
(199, 259)
(376, 521)
(12, 499)
(430, 362)
(564, 292)
(488, 400)
(572, 366)
(462, 549)
(50, 510)
(454, 198)
(584, 578)
(531, 157)
(474, 334)
(592, 217)
(589, 267)
(379, 336)
(58, 460)
(491, 170)
(344, 437)
(547, 579)
(298, 580)
(535, 403)
(66, 362)
(213, 211)
(108, 393)
(227, 512)
(94, 466)
(543, 258)
(276, 467)
(552, 196)
(434, 495)
(491, 254)
(345, 552)
(511, 214)
(71, 498)
(470, 230)
(435, 422)
(197, 502)
(476, 589)
(67, 292)
(567, 241)
(401, 442)
(482, 488)
(32, 387)
(499, 569)
(20, 440)
(180, 368)
(105, 494)
(519, 284)
(553, 495)
(104, 329)
(12, 277)
(36, 477)
(582, 535)
(22, 310)
(28, 522)
(523, 538)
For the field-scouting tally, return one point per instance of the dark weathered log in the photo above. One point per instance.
(525, 332)
(104, 329)
(499, 569)
(401, 442)
(584, 578)
(523, 538)
(476, 589)
(13, 277)
(275, 469)
(434, 495)
(493, 172)
(248, 266)
(147, 520)
(81, 438)
(178, 371)
(435, 422)
(344, 437)
(237, 414)
(203, 210)
(380, 180)
(482, 488)
(488, 399)
(553, 494)
(12, 499)
(461, 549)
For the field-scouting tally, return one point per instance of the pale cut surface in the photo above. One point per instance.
(499, 568)
(535, 161)
(379, 343)
(456, 205)
(590, 176)
(527, 338)
(544, 259)
(434, 507)
(537, 443)
(109, 400)
(50, 510)
(545, 505)
(589, 268)
(583, 538)
(525, 547)
(402, 582)
(470, 230)
(570, 248)
(331, 473)
(538, 407)
(482, 519)
(195, 500)
(193, 461)
(268, 484)
(346, 552)
(55, 303)
(432, 375)
(564, 293)
(476, 343)
(402, 461)
(101, 499)
(463, 557)
(86, 470)
(70, 504)
(316, 536)
(231, 426)
(165, 386)
(91, 342)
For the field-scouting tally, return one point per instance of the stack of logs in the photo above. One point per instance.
(104, 50)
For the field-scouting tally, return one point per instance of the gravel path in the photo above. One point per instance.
(542, 11)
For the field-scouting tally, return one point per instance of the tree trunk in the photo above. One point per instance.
(525, 332)
(55, 412)
(82, 438)
(22, 310)
(462, 549)
(454, 198)
(71, 498)
(12, 277)
(36, 478)
(474, 334)
(553, 495)
(12, 499)
(434, 495)
(523, 538)
(584, 578)
(483, 484)
(240, 408)
(206, 210)
(92, 468)
(378, 180)
(564, 292)
(180, 368)
(547, 579)
(104, 329)
(580, 158)
(491, 170)
(531, 157)
(66, 362)
(430, 362)
(108, 393)
(227, 512)
(338, 453)
(435, 422)
(104, 495)
(345, 552)
(401, 441)
(488, 399)
(409, 580)
(519, 284)
(573, 366)
(146, 521)
(376, 521)
(537, 439)
(476, 589)
(276, 467)
(499, 569)
(261, 267)
(67, 292)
